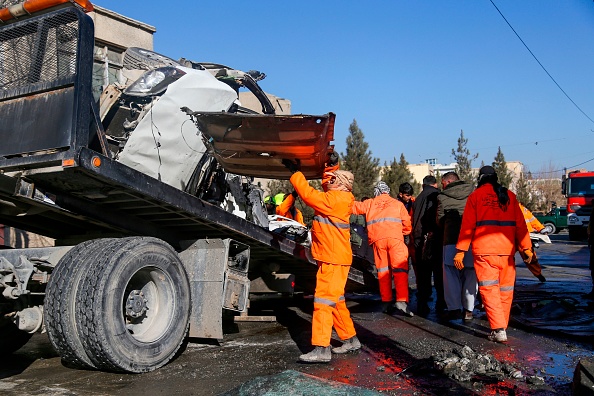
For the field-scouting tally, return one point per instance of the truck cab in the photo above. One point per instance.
(578, 187)
(555, 219)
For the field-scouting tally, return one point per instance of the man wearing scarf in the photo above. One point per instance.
(331, 248)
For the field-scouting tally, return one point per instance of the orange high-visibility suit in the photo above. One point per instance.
(286, 209)
(533, 225)
(331, 247)
(495, 233)
(387, 223)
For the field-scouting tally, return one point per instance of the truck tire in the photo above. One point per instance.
(11, 337)
(143, 59)
(135, 307)
(554, 229)
(61, 300)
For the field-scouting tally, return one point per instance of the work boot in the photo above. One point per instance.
(401, 307)
(350, 345)
(541, 278)
(498, 335)
(387, 307)
(318, 355)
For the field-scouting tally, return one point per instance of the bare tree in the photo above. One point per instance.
(546, 187)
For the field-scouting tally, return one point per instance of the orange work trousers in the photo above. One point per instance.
(329, 305)
(534, 265)
(496, 277)
(391, 259)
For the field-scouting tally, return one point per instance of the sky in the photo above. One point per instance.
(412, 73)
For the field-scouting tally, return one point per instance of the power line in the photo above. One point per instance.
(543, 68)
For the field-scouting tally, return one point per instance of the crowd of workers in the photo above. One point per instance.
(460, 241)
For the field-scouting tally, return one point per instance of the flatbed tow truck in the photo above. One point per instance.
(139, 265)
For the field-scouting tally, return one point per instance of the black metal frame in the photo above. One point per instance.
(26, 111)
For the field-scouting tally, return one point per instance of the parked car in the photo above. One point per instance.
(556, 219)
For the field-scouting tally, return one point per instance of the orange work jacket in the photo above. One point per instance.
(386, 217)
(330, 230)
(492, 230)
(532, 222)
(284, 209)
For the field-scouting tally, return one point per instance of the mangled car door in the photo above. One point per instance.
(254, 145)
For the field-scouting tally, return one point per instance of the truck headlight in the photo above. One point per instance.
(154, 82)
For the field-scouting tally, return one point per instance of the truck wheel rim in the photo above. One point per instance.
(148, 304)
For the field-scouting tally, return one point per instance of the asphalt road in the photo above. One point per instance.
(396, 357)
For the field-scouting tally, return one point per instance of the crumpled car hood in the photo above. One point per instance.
(255, 144)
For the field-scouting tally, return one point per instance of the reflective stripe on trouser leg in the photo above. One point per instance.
(384, 278)
(491, 271)
(507, 280)
(534, 265)
(398, 256)
(329, 305)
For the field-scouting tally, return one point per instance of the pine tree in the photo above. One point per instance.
(463, 159)
(504, 175)
(397, 173)
(359, 160)
(523, 192)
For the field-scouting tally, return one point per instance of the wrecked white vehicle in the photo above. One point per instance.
(147, 130)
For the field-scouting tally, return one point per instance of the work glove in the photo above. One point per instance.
(407, 240)
(527, 256)
(459, 260)
(294, 194)
(292, 166)
(332, 159)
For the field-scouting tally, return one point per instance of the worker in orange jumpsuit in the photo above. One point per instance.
(331, 248)
(286, 208)
(387, 223)
(533, 225)
(493, 223)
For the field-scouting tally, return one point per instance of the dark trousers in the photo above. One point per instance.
(424, 271)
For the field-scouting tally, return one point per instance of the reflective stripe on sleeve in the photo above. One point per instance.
(385, 219)
(325, 220)
(506, 288)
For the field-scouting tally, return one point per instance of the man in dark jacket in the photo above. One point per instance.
(428, 247)
(459, 284)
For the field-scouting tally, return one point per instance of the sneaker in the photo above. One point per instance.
(350, 345)
(318, 355)
(468, 315)
(541, 278)
(401, 307)
(498, 336)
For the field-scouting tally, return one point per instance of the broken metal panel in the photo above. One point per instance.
(255, 145)
(165, 145)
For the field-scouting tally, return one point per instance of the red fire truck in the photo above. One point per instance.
(578, 187)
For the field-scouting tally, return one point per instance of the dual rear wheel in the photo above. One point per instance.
(118, 305)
